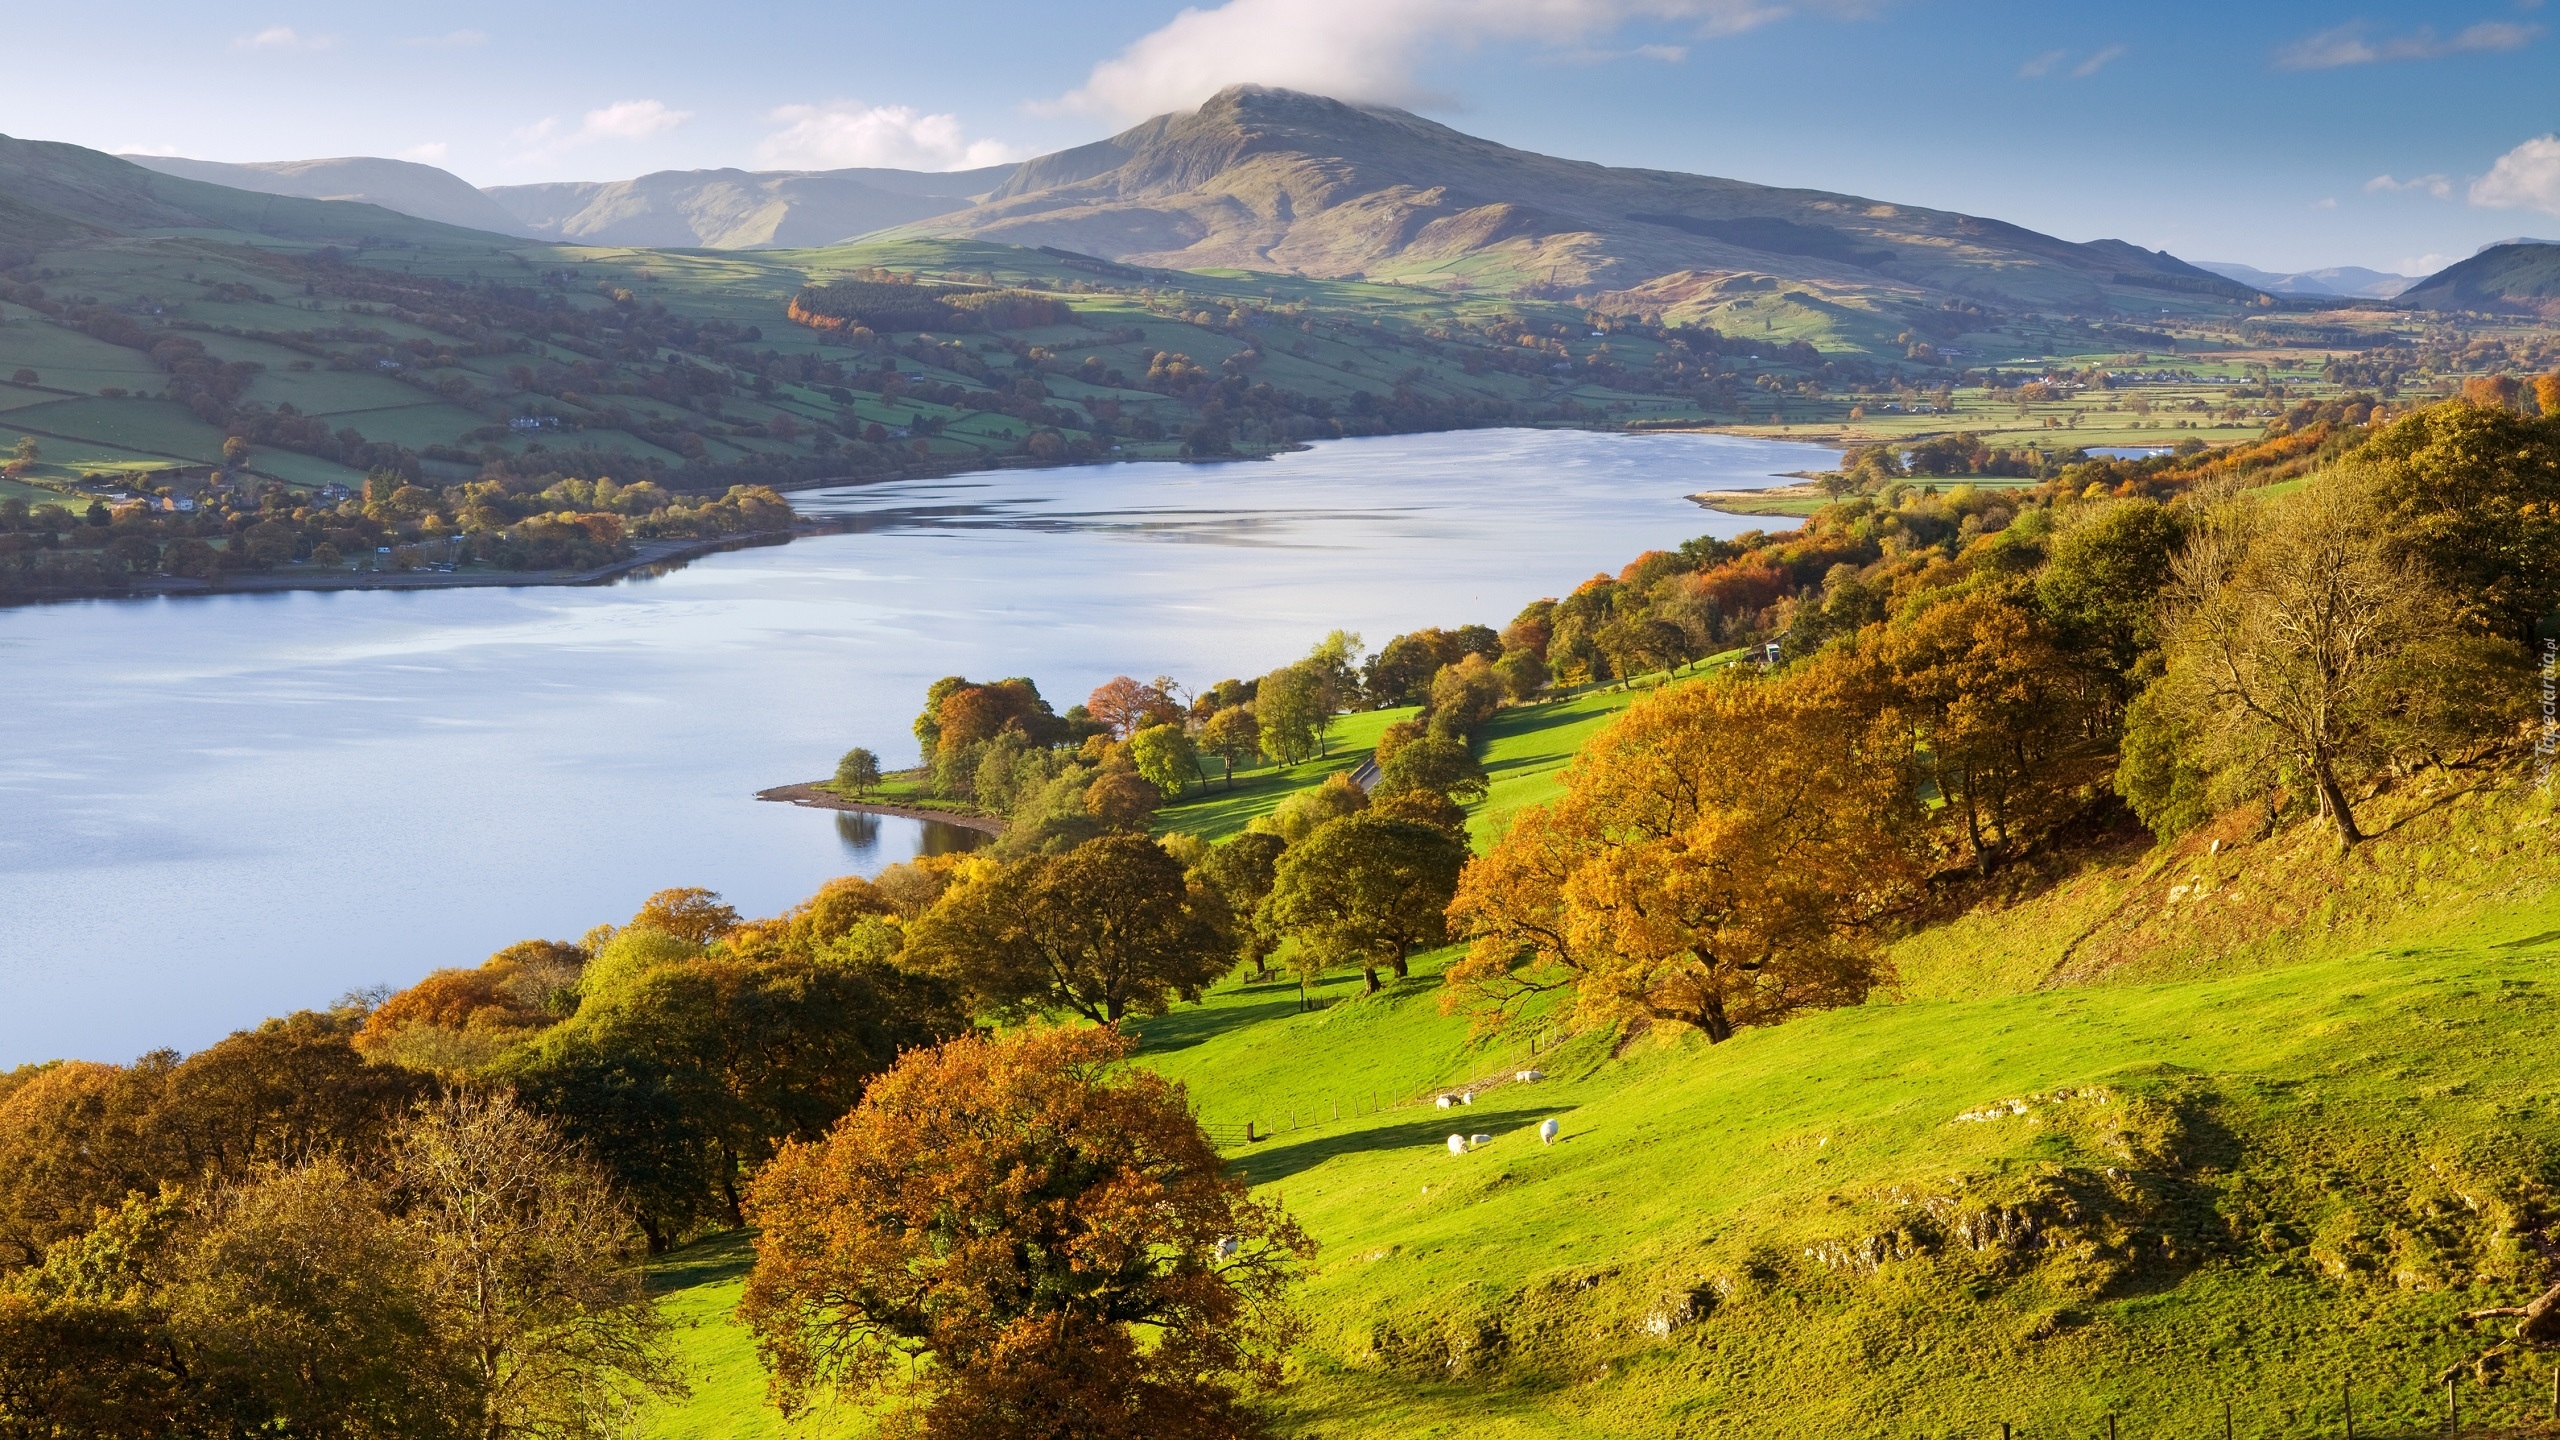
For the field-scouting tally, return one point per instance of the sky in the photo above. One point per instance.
(2399, 137)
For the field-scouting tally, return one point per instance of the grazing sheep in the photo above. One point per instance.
(1530, 1077)
(1446, 1101)
(1479, 1140)
(1466, 1097)
(1547, 1132)
(1457, 1144)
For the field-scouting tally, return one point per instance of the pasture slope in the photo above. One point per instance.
(2233, 1123)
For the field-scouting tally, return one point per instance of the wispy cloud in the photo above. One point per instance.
(450, 40)
(2097, 62)
(845, 133)
(622, 120)
(283, 37)
(1374, 50)
(2052, 60)
(2354, 44)
(2423, 265)
(2326, 202)
(431, 153)
(2440, 186)
(2525, 178)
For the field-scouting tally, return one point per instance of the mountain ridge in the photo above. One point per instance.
(407, 187)
(733, 209)
(1268, 179)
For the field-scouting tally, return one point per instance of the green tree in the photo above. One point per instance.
(1242, 871)
(1289, 703)
(1464, 696)
(2102, 587)
(1110, 928)
(1166, 757)
(1367, 891)
(858, 772)
(1440, 764)
(1233, 735)
(2472, 495)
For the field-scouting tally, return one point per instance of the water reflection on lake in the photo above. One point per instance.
(219, 809)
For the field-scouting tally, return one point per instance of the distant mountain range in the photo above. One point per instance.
(1264, 179)
(1268, 179)
(2349, 282)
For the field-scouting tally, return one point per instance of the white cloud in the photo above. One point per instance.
(2326, 202)
(631, 120)
(842, 134)
(1370, 49)
(622, 120)
(2349, 44)
(2097, 62)
(283, 37)
(2425, 265)
(431, 153)
(2042, 65)
(2525, 178)
(450, 40)
(2440, 186)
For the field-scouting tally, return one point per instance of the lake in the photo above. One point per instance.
(223, 808)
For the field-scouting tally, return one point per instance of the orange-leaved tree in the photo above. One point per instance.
(1049, 1229)
(1720, 857)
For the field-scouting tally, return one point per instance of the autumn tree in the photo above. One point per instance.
(530, 1267)
(1235, 737)
(1124, 706)
(1993, 710)
(1109, 928)
(2307, 643)
(1464, 696)
(1368, 891)
(1719, 859)
(689, 913)
(1046, 1229)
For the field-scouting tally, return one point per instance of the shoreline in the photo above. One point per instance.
(645, 553)
(807, 795)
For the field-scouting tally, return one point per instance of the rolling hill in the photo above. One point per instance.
(2522, 277)
(57, 191)
(402, 185)
(738, 209)
(1276, 180)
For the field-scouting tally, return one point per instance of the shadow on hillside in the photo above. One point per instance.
(1276, 1161)
(1191, 1025)
(1546, 717)
(712, 1260)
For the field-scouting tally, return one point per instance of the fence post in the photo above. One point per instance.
(2452, 1405)
(2111, 1427)
(2347, 1399)
(2226, 1420)
(2004, 1430)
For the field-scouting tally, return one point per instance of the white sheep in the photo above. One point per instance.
(1479, 1140)
(1547, 1132)
(1530, 1077)
(1446, 1101)
(1457, 1144)
(1466, 1097)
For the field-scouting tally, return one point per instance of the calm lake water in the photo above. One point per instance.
(217, 809)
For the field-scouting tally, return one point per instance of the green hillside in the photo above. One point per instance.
(2278, 1157)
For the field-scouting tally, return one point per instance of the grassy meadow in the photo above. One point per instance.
(2234, 1121)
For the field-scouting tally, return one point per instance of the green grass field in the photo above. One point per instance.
(2292, 1118)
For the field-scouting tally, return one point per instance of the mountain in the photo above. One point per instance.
(2351, 282)
(739, 209)
(2514, 277)
(1265, 179)
(402, 185)
(52, 192)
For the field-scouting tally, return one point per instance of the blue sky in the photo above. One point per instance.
(2285, 135)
